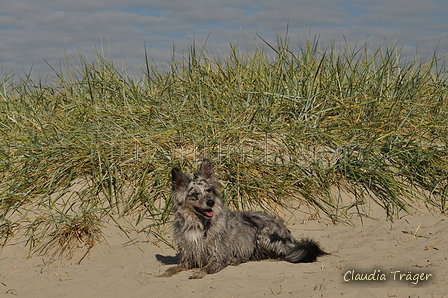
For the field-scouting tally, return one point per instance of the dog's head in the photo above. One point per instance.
(199, 196)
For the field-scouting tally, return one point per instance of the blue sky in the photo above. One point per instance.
(35, 31)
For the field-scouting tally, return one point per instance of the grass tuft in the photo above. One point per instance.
(331, 128)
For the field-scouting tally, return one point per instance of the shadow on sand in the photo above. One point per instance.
(168, 260)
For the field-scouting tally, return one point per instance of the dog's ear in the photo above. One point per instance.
(179, 179)
(205, 170)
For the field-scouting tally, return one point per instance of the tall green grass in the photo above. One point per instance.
(311, 123)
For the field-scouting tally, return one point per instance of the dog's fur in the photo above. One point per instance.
(211, 237)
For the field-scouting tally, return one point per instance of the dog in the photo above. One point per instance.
(210, 237)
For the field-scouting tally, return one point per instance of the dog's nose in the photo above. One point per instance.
(210, 203)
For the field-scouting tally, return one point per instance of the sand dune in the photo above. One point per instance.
(412, 248)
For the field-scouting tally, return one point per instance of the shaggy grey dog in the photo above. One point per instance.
(211, 237)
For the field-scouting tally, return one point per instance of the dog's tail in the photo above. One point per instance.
(305, 251)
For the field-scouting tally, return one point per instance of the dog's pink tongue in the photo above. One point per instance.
(209, 213)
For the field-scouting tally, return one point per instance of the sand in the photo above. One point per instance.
(412, 247)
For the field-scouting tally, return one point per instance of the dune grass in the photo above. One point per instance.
(308, 123)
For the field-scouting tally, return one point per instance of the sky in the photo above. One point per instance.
(37, 33)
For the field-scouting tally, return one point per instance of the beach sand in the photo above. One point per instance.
(415, 245)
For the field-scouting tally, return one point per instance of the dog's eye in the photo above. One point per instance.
(193, 196)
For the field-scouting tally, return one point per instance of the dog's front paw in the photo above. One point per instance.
(165, 274)
(198, 274)
(173, 270)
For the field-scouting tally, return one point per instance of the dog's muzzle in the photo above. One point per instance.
(206, 212)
